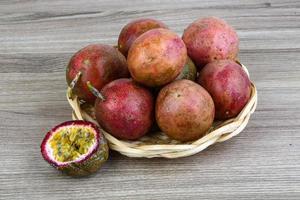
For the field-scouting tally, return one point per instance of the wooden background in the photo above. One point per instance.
(37, 39)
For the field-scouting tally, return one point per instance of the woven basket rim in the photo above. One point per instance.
(173, 149)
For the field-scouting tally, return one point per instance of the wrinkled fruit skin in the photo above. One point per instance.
(210, 39)
(189, 71)
(133, 30)
(127, 111)
(99, 64)
(156, 57)
(184, 110)
(228, 85)
(91, 163)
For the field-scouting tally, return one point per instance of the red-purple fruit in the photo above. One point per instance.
(229, 86)
(134, 29)
(76, 148)
(125, 109)
(156, 57)
(210, 39)
(189, 71)
(184, 110)
(99, 64)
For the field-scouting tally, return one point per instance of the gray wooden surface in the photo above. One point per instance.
(37, 39)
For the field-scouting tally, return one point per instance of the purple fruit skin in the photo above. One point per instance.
(99, 64)
(156, 57)
(184, 110)
(229, 86)
(127, 111)
(133, 30)
(208, 39)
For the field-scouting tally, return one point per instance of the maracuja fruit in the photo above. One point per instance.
(133, 30)
(184, 110)
(189, 71)
(125, 109)
(97, 63)
(208, 39)
(156, 57)
(76, 148)
(229, 86)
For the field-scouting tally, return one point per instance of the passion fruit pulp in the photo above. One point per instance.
(76, 148)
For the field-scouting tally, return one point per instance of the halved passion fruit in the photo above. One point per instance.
(77, 148)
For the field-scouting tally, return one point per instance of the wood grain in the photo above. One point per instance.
(38, 37)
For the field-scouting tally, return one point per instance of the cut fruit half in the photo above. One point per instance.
(75, 147)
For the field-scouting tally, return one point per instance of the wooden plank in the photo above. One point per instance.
(37, 39)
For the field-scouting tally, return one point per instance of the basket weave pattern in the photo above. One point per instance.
(158, 144)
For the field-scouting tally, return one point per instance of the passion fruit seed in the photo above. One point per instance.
(70, 143)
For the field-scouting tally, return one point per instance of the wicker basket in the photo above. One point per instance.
(158, 144)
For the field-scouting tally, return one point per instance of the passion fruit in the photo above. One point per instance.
(134, 29)
(210, 38)
(229, 86)
(189, 71)
(125, 109)
(76, 148)
(97, 63)
(184, 110)
(156, 57)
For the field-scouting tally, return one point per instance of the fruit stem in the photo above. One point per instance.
(95, 91)
(75, 80)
